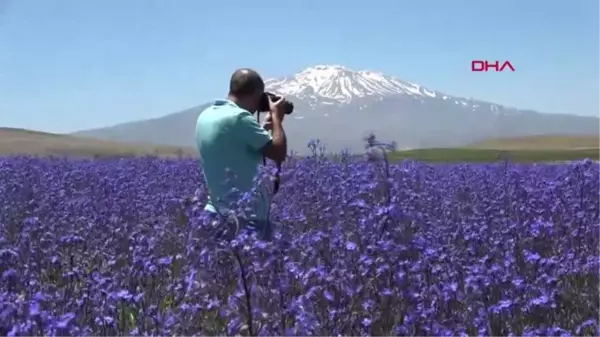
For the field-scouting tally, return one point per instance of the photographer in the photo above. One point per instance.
(232, 144)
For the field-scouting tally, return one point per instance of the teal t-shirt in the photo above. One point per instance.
(230, 140)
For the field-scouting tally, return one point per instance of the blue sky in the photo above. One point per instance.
(67, 65)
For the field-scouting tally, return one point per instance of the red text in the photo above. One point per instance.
(483, 65)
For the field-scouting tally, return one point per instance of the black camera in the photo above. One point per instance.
(288, 107)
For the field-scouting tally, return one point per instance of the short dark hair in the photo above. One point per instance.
(245, 81)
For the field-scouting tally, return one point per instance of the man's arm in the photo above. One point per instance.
(278, 150)
(258, 139)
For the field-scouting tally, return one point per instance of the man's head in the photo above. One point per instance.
(246, 88)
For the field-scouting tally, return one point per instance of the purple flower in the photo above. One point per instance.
(123, 246)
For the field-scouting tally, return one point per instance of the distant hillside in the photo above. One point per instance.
(543, 142)
(21, 141)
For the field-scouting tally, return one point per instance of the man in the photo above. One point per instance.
(232, 145)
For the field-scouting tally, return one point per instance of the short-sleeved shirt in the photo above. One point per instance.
(230, 141)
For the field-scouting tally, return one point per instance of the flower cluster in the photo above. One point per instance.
(121, 247)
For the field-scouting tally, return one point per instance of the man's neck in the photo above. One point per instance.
(237, 102)
(234, 100)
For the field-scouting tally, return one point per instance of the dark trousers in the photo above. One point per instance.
(225, 229)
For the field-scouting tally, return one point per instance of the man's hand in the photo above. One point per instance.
(276, 112)
(277, 151)
(268, 123)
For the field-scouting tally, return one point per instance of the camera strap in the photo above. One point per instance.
(277, 177)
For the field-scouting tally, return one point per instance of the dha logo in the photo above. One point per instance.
(484, 65)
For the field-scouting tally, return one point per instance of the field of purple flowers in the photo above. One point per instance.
(120, 247)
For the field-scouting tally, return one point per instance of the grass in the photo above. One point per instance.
(543, 148)
(542, 142)
(489, 155)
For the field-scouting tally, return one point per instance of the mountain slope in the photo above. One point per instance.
(175, 129)
(27, 142)
(340, 106)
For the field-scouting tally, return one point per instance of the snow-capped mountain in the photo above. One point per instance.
(340, 106)
(340, 84)
(336, 84)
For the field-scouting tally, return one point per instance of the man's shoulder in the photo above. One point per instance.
(223, 110)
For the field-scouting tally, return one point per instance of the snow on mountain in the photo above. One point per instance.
(336, 84)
